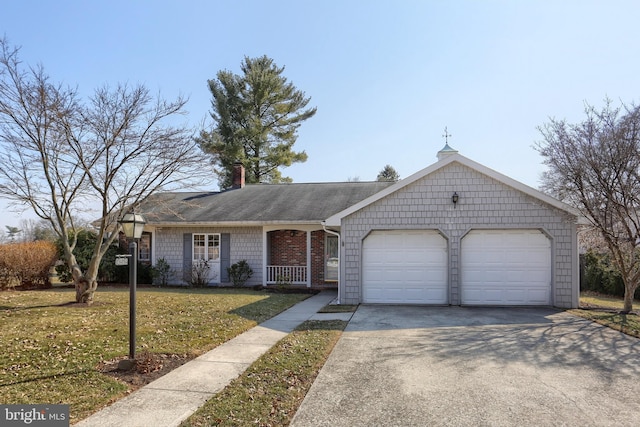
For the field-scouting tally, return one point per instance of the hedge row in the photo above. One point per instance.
(598, 274)
(27, 264)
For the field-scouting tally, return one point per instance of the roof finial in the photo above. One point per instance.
(446, 150)
(446, 135)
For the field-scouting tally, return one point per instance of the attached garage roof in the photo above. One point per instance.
(451, 157)
(258, 204)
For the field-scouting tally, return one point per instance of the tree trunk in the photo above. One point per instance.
(85, 290)
(628, 299)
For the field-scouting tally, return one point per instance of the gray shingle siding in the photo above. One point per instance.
(245, 243)
(484, 203)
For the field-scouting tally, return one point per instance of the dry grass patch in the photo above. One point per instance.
(272, 389)
(605, 310)
(334, 308)
(53, 351)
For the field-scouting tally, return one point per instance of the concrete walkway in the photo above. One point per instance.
(171, 399)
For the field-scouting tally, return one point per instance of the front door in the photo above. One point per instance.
(331, 264)
(206, 255)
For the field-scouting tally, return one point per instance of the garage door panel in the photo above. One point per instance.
(506, 267)
(405, 267)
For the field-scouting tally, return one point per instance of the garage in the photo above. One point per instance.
(405, 267)
(506, 267)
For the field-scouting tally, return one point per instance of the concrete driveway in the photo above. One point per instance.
(455, 366)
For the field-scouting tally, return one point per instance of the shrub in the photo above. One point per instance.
(8, 278)
(283, 281)
(107, 272)
(599, 274)
(200, 274)
(28, 262)
(240, 272)
(162, 272)
(120, 273)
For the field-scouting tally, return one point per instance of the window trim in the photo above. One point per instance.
(206, 246)
(327, 256)
(140, 258)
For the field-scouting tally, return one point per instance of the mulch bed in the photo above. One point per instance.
(148, 367)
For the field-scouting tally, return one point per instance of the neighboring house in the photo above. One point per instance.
(454, 233)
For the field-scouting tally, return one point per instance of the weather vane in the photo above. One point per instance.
(446, 135)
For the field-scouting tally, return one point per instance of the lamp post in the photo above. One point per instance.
(132, 226)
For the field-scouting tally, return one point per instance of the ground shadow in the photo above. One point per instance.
(538, 336)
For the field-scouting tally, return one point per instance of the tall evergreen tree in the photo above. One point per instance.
(256, 116)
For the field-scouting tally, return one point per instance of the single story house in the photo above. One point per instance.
(454, 233)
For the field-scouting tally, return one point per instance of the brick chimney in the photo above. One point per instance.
(238, 175)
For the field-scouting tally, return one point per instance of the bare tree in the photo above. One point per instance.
(63, 158)
(33, 230)
(594, 166)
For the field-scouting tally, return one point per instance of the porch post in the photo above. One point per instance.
(264, 256)
(308, 259)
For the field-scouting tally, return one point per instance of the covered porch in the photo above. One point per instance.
(300, 255)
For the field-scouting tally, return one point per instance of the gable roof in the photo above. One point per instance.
(451, 157)
(258, 204)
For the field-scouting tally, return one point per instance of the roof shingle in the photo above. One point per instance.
(259, 203)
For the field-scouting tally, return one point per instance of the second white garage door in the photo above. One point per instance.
(404, 267)
(506, 267)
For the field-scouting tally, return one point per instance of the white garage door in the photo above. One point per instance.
(404, 267)
(506, 267)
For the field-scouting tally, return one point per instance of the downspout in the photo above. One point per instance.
(335, 233)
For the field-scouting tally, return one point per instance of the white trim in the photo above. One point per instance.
(217, 261)
(337, 234)
(150, 235)
(305, 227)
(264, 256)
(277, 224)
(335, 220)
(309, 269)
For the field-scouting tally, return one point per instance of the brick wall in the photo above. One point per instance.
(483, 203)
(285, 249)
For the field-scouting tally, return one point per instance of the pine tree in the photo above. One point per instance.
(388, 173)
(256, 116)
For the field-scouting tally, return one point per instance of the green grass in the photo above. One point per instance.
(51, 350)
(605, 309)
(343, 308)
(270, 391)
(605, 301)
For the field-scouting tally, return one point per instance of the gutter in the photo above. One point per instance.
(335, 233)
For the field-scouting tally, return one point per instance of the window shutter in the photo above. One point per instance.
(187, 257)
(225, 256)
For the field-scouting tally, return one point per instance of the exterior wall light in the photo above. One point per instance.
(132, 225)
(454, 199)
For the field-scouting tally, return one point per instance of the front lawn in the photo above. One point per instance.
(52, 350)
(605, 310)
(270, 391)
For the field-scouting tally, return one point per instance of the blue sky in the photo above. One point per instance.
(386, 76)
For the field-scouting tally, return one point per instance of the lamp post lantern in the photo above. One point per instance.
(132, 226)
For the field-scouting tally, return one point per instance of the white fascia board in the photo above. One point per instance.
(518, 185)
(232, 223)
(335, 220)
